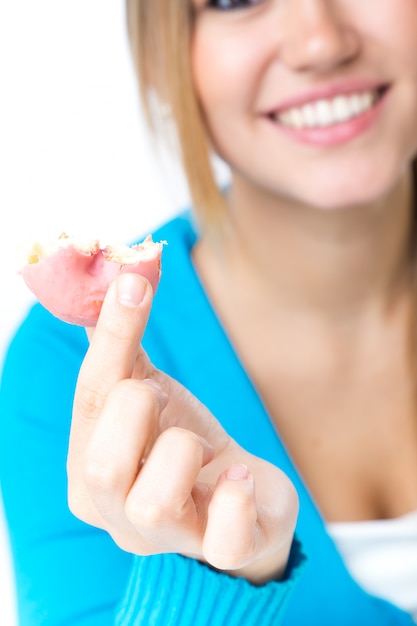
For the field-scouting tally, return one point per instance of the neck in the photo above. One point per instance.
(333, 262)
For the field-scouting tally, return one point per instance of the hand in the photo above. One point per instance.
(149, 463)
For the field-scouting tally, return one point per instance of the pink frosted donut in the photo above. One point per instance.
(70, 277)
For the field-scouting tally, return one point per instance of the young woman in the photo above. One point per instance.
(246, 452)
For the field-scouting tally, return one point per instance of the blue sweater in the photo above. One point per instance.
(68, 573)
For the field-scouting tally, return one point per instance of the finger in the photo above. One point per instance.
(109, 359)
(232, 534)
(186, 411)
(102, 477)
(141, 363)
(115, 342)
(250, 533)
(161, 503)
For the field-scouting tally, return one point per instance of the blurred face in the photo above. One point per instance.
(313, 100)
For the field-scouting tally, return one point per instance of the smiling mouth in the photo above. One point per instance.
(329, 111)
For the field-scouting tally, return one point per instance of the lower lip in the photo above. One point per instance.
(339, 133)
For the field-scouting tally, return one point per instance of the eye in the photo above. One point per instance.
(230, 5)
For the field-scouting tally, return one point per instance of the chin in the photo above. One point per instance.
(362, 188)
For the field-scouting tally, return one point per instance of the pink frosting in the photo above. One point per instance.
(72, 284)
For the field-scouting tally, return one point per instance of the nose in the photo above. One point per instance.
(317, 35)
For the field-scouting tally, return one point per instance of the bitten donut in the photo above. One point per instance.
(70, 277)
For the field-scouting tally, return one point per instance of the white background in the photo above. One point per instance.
(74, 155)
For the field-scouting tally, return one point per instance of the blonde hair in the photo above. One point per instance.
(160, 33)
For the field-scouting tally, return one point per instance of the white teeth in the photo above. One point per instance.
(355, 102)
(325, 113)
(309, 115)
(341, 109)
(296, 118)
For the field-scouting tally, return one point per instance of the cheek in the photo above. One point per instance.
(209, 72)
(224, 69)
(394, 28)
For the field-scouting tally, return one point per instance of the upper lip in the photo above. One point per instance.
(327, 92)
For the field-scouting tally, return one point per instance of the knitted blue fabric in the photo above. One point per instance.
(68, 573)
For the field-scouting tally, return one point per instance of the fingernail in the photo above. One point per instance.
(162, 395)
(131, 289)
(237, 472)
(208, 450)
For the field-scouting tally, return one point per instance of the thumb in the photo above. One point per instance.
(114, 343)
